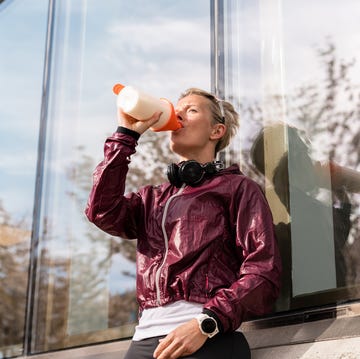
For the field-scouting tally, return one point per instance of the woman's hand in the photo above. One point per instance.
(131, 123)
(184, 340)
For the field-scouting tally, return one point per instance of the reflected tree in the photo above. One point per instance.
(330, 110)
(14, 261)
(327, 112)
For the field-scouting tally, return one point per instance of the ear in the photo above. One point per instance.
(218, 131)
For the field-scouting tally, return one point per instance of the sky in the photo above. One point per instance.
(21, 67)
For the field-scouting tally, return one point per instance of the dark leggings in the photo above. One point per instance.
(226, 346)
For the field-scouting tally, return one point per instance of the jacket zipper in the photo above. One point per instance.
(207, 285)
(166, 242)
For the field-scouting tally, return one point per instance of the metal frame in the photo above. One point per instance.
(34, 245)
(217, 48)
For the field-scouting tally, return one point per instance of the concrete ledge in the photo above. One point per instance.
(114, 350)
(345, 323)
(348, 348)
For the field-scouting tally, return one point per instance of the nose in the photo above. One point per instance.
(178, 113)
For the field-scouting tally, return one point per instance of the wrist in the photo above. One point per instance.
(128, 131)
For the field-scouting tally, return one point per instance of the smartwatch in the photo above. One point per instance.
(207, 325)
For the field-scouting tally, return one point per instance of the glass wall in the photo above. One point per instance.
(85, 287)
(295, 77)
(21, 70)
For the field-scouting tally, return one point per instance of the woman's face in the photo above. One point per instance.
(195, 138)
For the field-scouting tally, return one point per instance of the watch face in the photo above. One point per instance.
(208, 325)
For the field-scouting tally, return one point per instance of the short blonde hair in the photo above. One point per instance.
(222, 111)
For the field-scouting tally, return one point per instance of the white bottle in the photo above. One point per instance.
(142, 106)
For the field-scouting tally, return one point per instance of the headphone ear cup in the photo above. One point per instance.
(191, 172)
(173, 175)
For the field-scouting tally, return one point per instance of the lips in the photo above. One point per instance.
(177, 130)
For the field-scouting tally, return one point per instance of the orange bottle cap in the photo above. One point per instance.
(117, 88)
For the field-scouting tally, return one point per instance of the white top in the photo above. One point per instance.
(162, 320)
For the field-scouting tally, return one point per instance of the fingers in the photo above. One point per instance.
(131, 123)
(163, 343)
(184, 340)
(170, 349)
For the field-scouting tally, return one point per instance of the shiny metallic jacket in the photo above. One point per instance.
(212, 244)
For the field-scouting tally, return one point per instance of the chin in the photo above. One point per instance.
(175, 148)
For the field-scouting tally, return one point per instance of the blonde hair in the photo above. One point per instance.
(222, 112)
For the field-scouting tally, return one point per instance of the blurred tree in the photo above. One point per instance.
(326, 113)
(14, 261)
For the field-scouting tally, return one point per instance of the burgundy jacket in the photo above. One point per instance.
(212, 244)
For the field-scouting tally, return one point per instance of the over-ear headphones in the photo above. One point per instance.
(191, 172)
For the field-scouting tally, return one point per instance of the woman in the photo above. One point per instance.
(206, 254)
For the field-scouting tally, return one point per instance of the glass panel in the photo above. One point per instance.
(21, 68)
(295, 79)
(85, 281)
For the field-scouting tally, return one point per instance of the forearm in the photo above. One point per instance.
(251, 296)
(107, 207)
(258, 276)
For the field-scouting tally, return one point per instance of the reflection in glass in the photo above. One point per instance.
(21, 68)
(296, 83)
(318, 199)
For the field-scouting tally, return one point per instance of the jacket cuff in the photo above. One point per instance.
(213, 315)
(129, 132)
